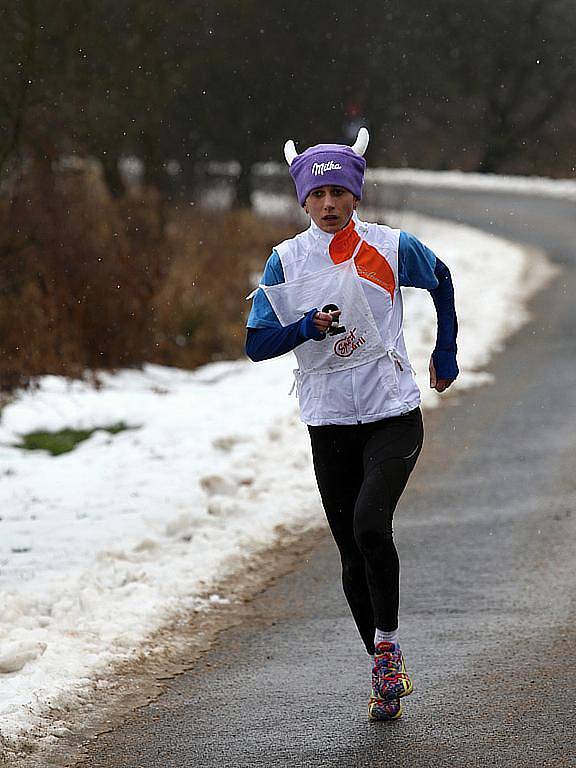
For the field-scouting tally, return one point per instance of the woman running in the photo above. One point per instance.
(332, 295)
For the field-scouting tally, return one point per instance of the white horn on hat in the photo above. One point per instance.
(361, 142)
(290, 151)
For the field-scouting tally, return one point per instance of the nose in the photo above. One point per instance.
(328, 201)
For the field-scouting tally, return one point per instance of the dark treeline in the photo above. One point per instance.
(100, 272)
(469, 84)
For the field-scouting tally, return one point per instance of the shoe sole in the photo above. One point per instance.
(384, 716)
(407, 691)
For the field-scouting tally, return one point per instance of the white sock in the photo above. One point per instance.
(386, 637)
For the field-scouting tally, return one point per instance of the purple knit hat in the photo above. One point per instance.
(324, 164)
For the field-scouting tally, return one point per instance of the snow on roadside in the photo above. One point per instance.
(100, 546)
(525, 185)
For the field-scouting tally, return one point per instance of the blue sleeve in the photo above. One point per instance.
(262, 315)
(416, 263)
(444, 355)
(419, 267)
(265, 343)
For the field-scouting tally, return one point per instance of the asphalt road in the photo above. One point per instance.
(486, 533)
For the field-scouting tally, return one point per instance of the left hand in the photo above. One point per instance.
(440, 385)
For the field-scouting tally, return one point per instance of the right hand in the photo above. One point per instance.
(323, 320)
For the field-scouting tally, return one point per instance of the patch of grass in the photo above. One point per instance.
(65, 440)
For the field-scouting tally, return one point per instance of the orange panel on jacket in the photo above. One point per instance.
(370, 263)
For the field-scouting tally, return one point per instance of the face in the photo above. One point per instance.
(330, 207)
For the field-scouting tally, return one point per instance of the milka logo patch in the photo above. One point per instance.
(319, 169)
(347, 344)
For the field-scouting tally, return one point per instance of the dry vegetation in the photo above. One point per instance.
(91, 282)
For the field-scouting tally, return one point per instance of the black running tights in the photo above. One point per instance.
(361, 470)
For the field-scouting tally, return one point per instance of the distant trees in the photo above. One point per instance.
(477, 85)
(509, 72)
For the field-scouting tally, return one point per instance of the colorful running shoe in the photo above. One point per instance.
(380, 710)
(389, 677)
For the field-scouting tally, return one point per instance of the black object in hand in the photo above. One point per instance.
(335, 328)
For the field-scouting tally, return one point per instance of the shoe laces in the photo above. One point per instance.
(388, 661)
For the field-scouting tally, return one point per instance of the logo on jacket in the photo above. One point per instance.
(346, 345)
(319, 169)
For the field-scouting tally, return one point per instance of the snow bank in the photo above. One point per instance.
(100, 546)
(486, 182)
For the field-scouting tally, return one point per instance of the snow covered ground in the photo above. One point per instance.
(102, 545)
(524, 185)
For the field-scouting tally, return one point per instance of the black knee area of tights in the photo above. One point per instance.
(374, 541)
(352, 569)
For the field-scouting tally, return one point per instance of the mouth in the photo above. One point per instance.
(329, 218)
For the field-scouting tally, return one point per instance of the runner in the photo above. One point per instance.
(332, 295)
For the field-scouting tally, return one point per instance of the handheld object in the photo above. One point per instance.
(335, 328)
